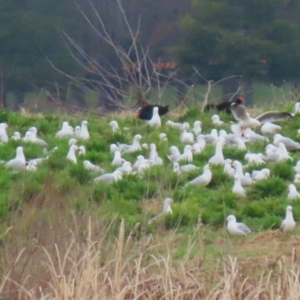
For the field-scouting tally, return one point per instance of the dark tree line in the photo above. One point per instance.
(64, 47)
(255, 39)
(46, 45)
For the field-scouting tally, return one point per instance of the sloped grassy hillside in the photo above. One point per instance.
(136, 199)
(61, 235)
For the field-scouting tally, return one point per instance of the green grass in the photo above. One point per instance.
(263, 207)
(52, 207)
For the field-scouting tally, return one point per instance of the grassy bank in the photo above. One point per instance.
(63, 236)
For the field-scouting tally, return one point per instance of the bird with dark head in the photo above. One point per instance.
(145, 112)
(224, 106)
(239, 100)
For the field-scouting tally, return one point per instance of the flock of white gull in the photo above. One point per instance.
(195, 142)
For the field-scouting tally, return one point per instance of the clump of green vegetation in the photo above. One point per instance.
(283, 170)
(271, 222)
(274, 186)
(265, 200)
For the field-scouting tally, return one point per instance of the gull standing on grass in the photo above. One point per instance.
(136, 146)
(19, 162)
(218, 158)
(166, 210)
(174, 153)
(297, 178)
(155, 120)
(273, 154)
(187, 154)
(77, 131)
(3, 134)
(139, 159)
(84, 133)
(200, 144)
(293, 193)
(254, 138)
(260, 175)
(94, 168)
(143, 165)
(109, 177)
(65, 131)
(114, 126)
(197, 128)
(228, 169)
(184, 168)
(72, 142)
(254, 158)
(235, 228)
(245, 180)
(113, 148)
(163, 137)
(187, 137)
(237, 187)
(31, 166)
(72, 154)
(229, 137)
(297, 167)
(180, 126)
(81, 150)
(269, 128)
(216, 120)
(288, 142)
(117, 160)
(197, 148)
(204, 178)
(126, 168)
(16, 136)
(210, 138)
(288, 224)
(34, 139)
(153, 157)
(240, 144)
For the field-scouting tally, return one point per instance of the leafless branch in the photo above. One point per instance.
(136, 72)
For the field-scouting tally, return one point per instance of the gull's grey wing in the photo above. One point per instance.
(198, 180)
(108, 178)
(41, 142)
(271, 158)
(273, 116)
(202, 179)
(254, 174)
(290, 144)
(14, 163)
(188, 168)
(244, 228)
(239, 112)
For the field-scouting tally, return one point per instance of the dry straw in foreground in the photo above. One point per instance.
(101, 267)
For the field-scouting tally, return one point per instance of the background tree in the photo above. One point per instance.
(54, 46)
(255, 39)
(122, 63)
(30, 33)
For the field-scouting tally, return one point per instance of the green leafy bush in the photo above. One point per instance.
(283, 170)
(81, 174)
(272, 187)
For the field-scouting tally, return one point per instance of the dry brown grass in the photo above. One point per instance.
(49, 252)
